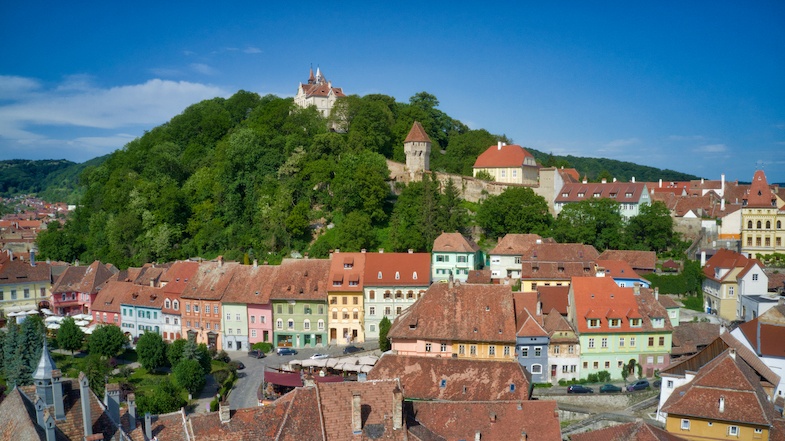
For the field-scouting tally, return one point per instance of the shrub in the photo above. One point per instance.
(263, 346)
(222, 355)
(603, 376)
(562, 382)
(221, 376)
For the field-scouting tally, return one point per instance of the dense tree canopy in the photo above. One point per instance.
(69, 336)
(596, 222)
(516, 210)
(106, 341)
(151, 350)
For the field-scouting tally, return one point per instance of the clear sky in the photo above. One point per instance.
(696, 86)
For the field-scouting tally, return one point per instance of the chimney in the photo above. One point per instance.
(76, 262)
(636, 289)
(112, 401)
(381, 250)
(224, 411)
(255, 263)
(411, 251)
(132, 410)
(722, 404)
(633, 179)
(397, 411)
(539, 308)
(152, 282)
(57, 394)
(524, 437)
(703, 259)
(722, 185)
(84, 396)
(604, 181)
(499, 146)
(357, 424)
(49, 426)
(660, 182)
(585, 180)
(148, 425)
(614, 179)
(722, 204)
(220, 260)
(363, 250)
(656, 293)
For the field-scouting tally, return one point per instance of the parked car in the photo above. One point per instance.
(237, 364)
(286, 351)
(319, 356)
(609, 388)
(638, 385)
(256, 354)
(578, 389)
(352, 349)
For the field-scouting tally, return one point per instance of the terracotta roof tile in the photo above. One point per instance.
(177, 276)
(637, 431)
(82, 279)
(483, 313)
(724, 259)
(250, 423)
(417, 134)
(397, 269)
(499, 421)
(595, 297)
(482, 276)
(505, 156)
(377, 402)
(554, 297)
(690, 337)
(622, 192)
(347, 271)
(250, 284)
(454, 243)
(301, 279)
(767, 338)
(453, 379)
(18, 418)
(517, 244)
(210, 281)
(17, 271)
(638, 260)
(760, 195)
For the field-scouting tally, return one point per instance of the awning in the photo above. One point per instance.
(13, 309)
(54, 319)
(53, 326)
(291, 379)
(47, 312)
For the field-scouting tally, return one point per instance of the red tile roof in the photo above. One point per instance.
(302, 279)
(637, 431)
(723, 259)
(618, 269)
(482, 313)
(82, 279)
(113, 294)
(177, 276)
(498, 421)
(17, 271)
(251, 284)
(417, 134)
(464, 380)
(505, 156)
(397, 269)
(760, 195)
(554, 297)
(600, 298)
(517, 244)
(347, 271)
(482, 276)
(210, 281)
(377, 401)
(690, 337)
(622, 192)
(765, 333)
(454, 243)
(559, 329)
(725, 389)
(638, 260)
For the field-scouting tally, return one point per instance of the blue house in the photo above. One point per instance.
(531, 343)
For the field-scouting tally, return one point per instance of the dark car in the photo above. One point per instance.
(609, 388)
(657, 383)
(286, 351)
(352, 349)
(578, 389)
(237, 364)
(638, 385)
(256, 354)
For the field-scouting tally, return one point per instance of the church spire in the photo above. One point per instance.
(45, 365)
(311, 79)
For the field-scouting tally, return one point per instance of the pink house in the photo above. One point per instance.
(76, 288)
(260, 310)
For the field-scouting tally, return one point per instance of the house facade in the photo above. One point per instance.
(506, 257)
(24, 286)
(299, 302)
(531, 345)
(392, 282)
(510, 164)
(201, 309)
(762, 219)
(764, 336)
(564, 349)
(454, 256)
(77, 287)
(346, 313)
(630, 195)
(250, 285)
(727, 272)
(318, 92)
(618, 327)
(556, 264)
(141, 310)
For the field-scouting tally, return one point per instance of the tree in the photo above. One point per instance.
(174, 353)
(595, 221)
(355, 232)
(516, 210)
(360, 184)
(189, 375)
(70, 337)
(97, 369)
(151, 350)
(106, 341)
(652, 228)
(384, 328)
(165, 397)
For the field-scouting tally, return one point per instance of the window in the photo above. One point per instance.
(398, 310)
(427, 347)
(27, 293)
(517, 260)
(335, 314)
(208, 327)
(443, 347)
(537, 351)
(253, 319)
(591, 343)
(398, 294)
(733, 430)
(215, 310)
(596, 365)
(262, 319)
(279, 324)
(749, 224)
(594, 323)
(607, 365)
(228, 316)
(604, 342)
(237, 317)
(556, 349)
(372, 310)
(730, 291)
(492, 350)
(524, 351)
(280, 309)
(685, 424)
(632, 342)
(461, 259)
(253, 332)
(373, 328)
(397, 275)
(758, 431)
(443, 383)
(461, 350)
(345, 314)
(387, 310)
(662, 341)
(167, 304)
(307, 325)
(320, 325)
(196, 309)
(758, 225)
(290, 324)
(651, 341)
(442, 258)
(372, 295)
(615, 323)
(754, 277)
(621, 342)
(387, 294)
(355, 315)
(660, 359)
(536, 369)
(230, 330)
(473, 350)
(291, 309)
(571, 349)
(635, 323)
(176, 305)
(13, 294)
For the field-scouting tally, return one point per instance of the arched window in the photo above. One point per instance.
(779, 225)
(320, 325)
(290, 324)
(536, 369)
(410, 294)
(398, 294)
(759, 225)
(167, 304)
(307, 325)
(749, 225)
(387, 294)
(768, 225)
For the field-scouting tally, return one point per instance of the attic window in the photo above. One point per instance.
(397, 275)
(380, 275)
(487, 308)
(512, 387)
(443, 383)
(564, 195)
(414, 275)
(580, 195)
(412, 325)
(627, 195)
(596, 195)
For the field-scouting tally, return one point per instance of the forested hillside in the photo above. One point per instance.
(598, 168)
(257, 177)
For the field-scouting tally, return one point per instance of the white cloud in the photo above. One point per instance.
(203, 69)
(617, 143)
(252, 50)
(712, 148)
(13, 87)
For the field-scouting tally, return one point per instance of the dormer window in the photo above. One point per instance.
(614, 323)
(176, 305)
(580, 195)
(635, 323)
(414, 275)
(594, 323)
(380, 275)
(397, 275)
(628, 195)
(167, 304)
(564, 195)
(598, 194)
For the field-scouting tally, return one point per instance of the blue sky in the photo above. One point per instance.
(697, 87)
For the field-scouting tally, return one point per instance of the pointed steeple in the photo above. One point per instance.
(319, 78)
(45, 365)
(311, 78)
(760, 194)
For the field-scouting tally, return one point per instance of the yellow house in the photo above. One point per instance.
(724, 401)
(345, 309)
(555, 264)
(24, 286)
(762, 219)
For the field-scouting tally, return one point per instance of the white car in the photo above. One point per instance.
(319, 356)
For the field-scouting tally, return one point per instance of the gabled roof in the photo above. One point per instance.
(558, 328)
(454, 243)
(210, 281)
(517, 244)
(618, 269)
(727, 260)
(250, 284)
(600, 298)
(177, 276)
(637, 431)
(397, 269)
(378, 404)
(417, 134)
(18, 271)
(622, 192)
(482, 276)
(689, 337)
(454, 379)
(82, 279)
(765, 333)
(113, 294)
(18, 419)
(531, 328)
(760, 195)
(503, 156)
(301, 279)
(638, 260)
(560, 252)
(554, 297)
(347, 271)
(482, 313)
(725, 389)
(525, 304)
(498, 421)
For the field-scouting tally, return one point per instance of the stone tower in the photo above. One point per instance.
(417, 148)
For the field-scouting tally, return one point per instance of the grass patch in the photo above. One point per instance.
(217, 365)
